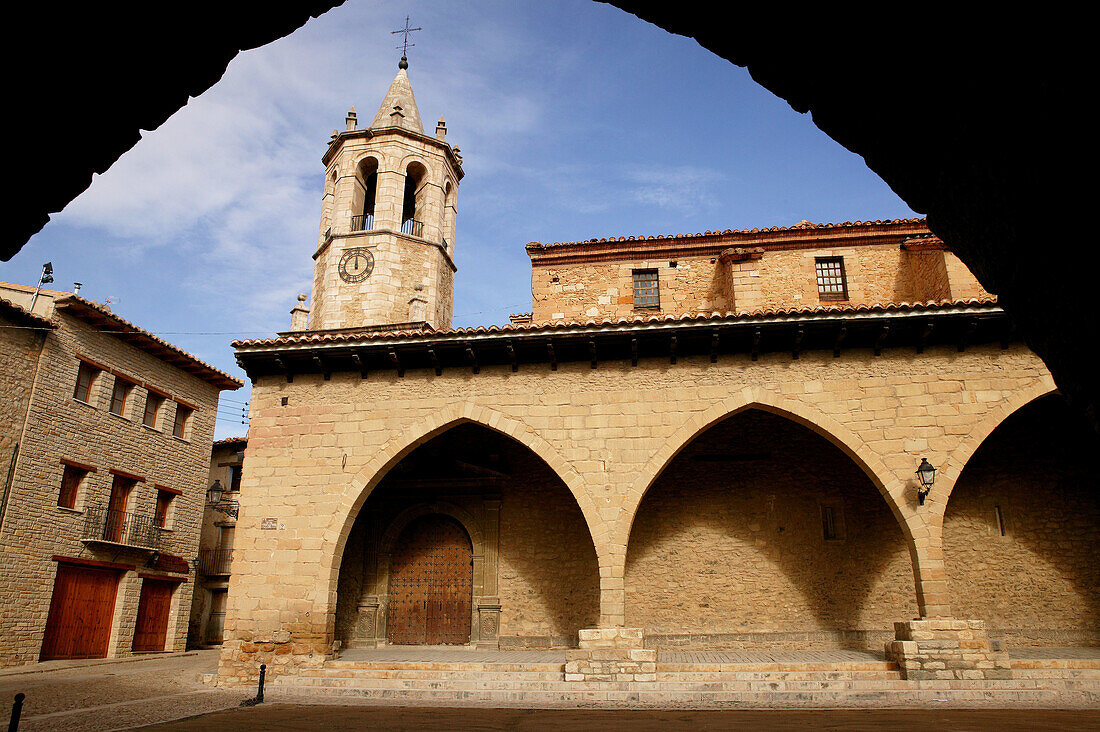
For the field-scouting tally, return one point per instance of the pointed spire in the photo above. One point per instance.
(399, 105)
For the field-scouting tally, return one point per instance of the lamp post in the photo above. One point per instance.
(216, 501)
(927, 475)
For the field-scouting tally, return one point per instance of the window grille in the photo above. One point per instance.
(831, 282)
(646, 289)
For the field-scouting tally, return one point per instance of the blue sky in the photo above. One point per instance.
(575, 120)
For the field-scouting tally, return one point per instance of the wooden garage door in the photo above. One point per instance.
(83, 604)
(431, 584)
(152, 615)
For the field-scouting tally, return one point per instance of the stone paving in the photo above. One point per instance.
(309, 718)
(119, 694)
(114, 694)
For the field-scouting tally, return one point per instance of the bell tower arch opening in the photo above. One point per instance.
(365, 194)
(414, 203)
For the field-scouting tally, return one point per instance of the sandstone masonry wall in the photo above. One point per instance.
(60, 427)
(607, 432)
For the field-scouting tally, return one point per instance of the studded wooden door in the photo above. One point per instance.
(431, 584)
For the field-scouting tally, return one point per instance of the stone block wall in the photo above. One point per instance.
(1033, 514)
(607, 433)
(946, 648)
(729, 549)
(19, 350)
(35, 528)
(578, 289)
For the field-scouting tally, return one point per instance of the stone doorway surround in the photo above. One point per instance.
(480, 516)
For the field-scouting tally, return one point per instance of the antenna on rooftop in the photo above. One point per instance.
(46, 277)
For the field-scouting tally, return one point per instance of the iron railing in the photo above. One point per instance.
(120, 527)
(363, 222)
(215, 561)
(412, 227)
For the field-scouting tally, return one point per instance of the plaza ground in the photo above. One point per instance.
(167, 692)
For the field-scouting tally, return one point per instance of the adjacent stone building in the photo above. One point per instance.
(219, 525)
(105, 434)
(703, 441)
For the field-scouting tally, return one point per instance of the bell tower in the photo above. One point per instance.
(385, 253)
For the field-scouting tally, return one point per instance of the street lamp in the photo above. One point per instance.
(215, 500)
(927, 475)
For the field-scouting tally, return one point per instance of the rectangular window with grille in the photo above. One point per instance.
(119, 395)
(831, 283)
(85, 382)
(646, 292)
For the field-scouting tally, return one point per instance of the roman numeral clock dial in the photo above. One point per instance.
(356, 264)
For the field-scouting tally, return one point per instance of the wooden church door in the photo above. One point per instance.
(431, 584)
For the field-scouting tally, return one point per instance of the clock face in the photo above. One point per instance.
(356, 264)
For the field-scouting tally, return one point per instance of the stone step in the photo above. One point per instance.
(557, 674)
(443, 666)
(320, 683)
(1055, 673)
(776, 667)
(665, 698)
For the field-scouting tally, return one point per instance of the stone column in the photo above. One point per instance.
(936, 645)
(488, 606)
(613, 588)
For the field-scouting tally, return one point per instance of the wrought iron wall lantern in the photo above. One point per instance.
(216, 500)
(927, 475)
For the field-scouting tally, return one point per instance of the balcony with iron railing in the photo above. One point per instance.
(362, 222)
(103, 526)
(215, 561)
(412, 227)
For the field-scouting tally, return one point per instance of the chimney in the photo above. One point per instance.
(76, 287)
(440, 130)
(350, 120)
(299, 314)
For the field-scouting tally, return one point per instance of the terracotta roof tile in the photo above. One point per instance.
(801, 226)
(319, 337)
(76, 305)
(20, 313)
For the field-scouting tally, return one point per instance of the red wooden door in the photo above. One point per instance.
(116, 508)
(152, 615)
(431, 584)
(83, 604)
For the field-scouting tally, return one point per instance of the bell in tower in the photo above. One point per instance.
(385, 254)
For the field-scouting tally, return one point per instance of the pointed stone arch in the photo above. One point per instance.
(359, 488)
(759, 398)
(948, 473)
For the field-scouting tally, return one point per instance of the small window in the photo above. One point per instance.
(183, 417)
(234, 477)
(832, 522)
(71, 480)
(646, 294)
(153, 403)
(831, 283)
(85, 381)
(164, 506)
(119, 395)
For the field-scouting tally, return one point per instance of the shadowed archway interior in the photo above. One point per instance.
(1027, 505)
(761, 534)
(535, 573)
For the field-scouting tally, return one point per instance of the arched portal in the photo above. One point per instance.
(1021, 531)
(534, 577)
(762, 534)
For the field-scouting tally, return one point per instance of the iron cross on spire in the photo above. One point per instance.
(405, 44)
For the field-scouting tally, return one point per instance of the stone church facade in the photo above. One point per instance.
(701, 441)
